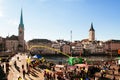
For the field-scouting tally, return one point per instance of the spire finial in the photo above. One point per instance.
(91, 29)
(21, 20)
(21, 17)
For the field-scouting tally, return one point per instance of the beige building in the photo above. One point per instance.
(112, 46)
(91, 33)
(78, 48)
(56, 46)
(11, 43)
(66, 49)
(100, 47)
(15, 43)
(91, 45)
(43, 46)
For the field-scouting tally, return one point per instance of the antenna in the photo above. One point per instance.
(71, 35)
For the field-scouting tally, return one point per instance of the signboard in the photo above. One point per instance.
(118, 61)
(118, 51)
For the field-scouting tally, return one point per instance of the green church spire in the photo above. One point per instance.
(21, 21)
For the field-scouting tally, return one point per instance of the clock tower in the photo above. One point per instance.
(91, 33)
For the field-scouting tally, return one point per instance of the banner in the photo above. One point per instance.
(118, 51)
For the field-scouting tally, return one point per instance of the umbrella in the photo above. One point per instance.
(81, 65)
(37, 56)
(73, 60)
(60, 66)
(71, 67)
(47, 70)
(80, 60)
(28, 60)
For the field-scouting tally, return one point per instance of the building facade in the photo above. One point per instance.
(78, 48)
(15, 43)
(112, 46)
(66, 49)
(43, 46)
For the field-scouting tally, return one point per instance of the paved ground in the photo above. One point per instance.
(15, 72)
(21, 59)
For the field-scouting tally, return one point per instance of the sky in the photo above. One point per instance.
(55, 19)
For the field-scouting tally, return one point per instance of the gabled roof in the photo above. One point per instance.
(85, 40)
(13, 37)
(113, 40)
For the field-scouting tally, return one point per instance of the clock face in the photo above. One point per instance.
(20, 30)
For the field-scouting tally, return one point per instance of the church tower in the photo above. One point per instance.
(21, 45)
(91, 33)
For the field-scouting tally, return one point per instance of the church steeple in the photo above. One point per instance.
(91, 29)
(91, 33)
(21, 25)
(21, 33)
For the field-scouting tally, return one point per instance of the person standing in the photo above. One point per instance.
(23, 73)
(114, 78)
(119, 70)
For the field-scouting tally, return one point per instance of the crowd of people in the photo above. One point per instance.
(88, 72)
(103, 68)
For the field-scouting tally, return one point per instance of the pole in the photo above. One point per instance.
(71, 42)
(71, 35)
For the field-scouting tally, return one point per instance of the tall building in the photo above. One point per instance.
(21, 33)
(91, 33)
(16, 43)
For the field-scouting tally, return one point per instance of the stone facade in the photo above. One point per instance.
(40, 46)
(112, 46)
(15, 43)
(78, 48)
(11, 45)
(66, 49)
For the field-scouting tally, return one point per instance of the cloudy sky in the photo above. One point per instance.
(54, 19)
